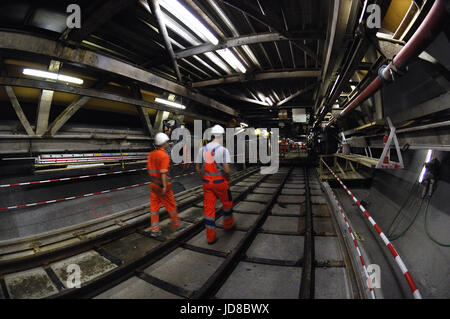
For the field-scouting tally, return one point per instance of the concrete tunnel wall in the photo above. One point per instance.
(427, 262)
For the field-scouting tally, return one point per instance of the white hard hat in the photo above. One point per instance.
(160, 139)
(217, 129)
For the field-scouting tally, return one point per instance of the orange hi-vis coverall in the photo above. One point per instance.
(158, 162)
(215, 186)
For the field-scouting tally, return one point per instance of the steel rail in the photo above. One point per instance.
(136, 267)
(213, 284)
(307, 283)
(11, 265)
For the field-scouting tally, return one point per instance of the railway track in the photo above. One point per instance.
(286, 245)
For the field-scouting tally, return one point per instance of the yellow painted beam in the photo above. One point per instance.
(394, 16)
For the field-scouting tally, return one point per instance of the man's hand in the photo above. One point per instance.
(164, 183)
(226, 171)
(198, 170)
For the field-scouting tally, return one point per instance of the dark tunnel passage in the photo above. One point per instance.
(224, 149)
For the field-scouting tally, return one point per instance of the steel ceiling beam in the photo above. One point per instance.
(250, 9)
(299, 92)
(95, 93)
(163, 31)
(36, 45)
(243, 40)
(260, 76)
(97, 18)
(230, 42)
(241, 98)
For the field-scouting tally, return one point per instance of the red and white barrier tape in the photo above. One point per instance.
(397, 258)
(73, 197)
(81, 196)
(72, 178)
(368, 280)
(88, 159)
(78, 177)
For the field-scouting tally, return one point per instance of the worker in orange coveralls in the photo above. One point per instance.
(158, 163)
(215, 172)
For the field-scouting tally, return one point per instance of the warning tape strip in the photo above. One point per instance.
(87, 159)
(81, 196)
(368, 280)
(78, 177)
(72, 178)
(397, 258)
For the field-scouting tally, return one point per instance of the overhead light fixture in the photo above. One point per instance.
(178, 29)
(170, 103)
(422, 174)
(178, 10)
(218, 61)
(261, 96)
(186, 35)
(269, 101)
(424, 169)
(428, 158)
(52, 76)
(239, 131)
(244, 124)
(352, 87)
(228, 56)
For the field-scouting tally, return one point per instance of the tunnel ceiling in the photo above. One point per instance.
(283, 48)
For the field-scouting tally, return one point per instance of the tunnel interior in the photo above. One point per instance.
(336, 115)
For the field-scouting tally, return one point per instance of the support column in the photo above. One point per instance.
(45, 103)
(66, 115)
(143, 114)
(160, 117)
(69, 111)
(20, 114)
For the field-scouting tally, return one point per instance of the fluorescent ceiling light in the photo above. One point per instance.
(239, 131)
(170, 103)
(352, 87)
(269, 101)
(429, 154)
(261, 96)
(424, 169)
(218, 62)
(186, 35)
(228, 56)
(422, 174)
(178, 10)
(244, 124)
(178, 29)
(52, 76)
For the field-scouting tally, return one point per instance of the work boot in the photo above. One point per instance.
(213, 242)
(178, 225)
(156, 234)
(231, 228)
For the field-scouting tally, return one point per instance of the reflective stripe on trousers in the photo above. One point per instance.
(210, 222)
(154, 218)
(228, 220)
